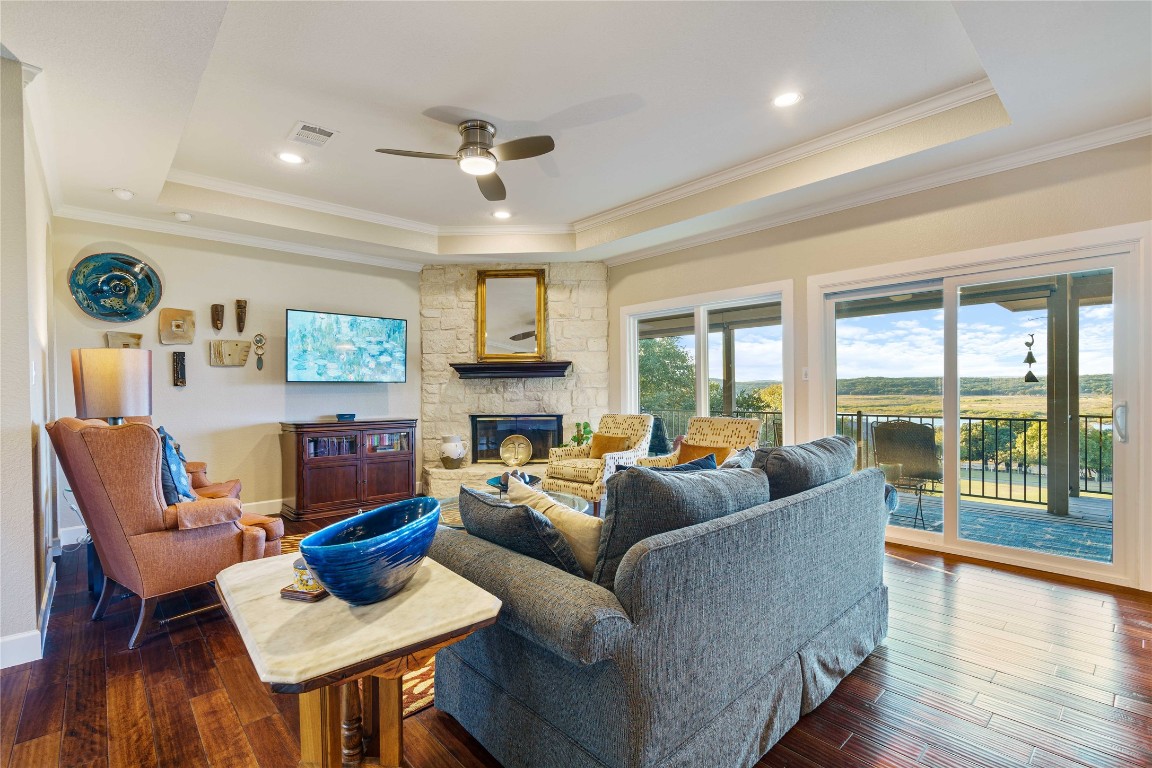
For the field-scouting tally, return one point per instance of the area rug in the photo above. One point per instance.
(418, 686)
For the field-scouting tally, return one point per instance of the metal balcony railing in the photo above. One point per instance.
(1000, 457)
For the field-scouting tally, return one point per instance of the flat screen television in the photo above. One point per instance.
(333, 347)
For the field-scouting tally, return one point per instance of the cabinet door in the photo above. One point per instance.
(332, 445)
(328, 484)
(387, 480)
(386, 442)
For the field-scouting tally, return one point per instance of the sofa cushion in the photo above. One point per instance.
(643, 502)
(742, 459)
(795, 468)
(174, 480)
(690, 452)
(581, 531)
(577, 470)
(516, 527)
(602, 444)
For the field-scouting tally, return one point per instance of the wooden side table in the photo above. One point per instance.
(346, 662)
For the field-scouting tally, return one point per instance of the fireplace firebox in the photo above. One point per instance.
(544, 431)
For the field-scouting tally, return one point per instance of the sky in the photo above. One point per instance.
(991, 344)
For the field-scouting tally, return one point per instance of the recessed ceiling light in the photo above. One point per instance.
(290, 157)
(123, 194)
(502, 214)
(181, 216)
(787, 99)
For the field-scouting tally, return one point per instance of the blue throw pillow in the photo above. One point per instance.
(742, 459)
(708, 461)
(518, 528)
(173, 477)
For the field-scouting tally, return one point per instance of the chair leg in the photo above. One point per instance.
(107, 592)
(147, 608)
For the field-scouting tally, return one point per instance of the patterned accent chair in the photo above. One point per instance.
(711, 430)
(147, 547)
(572, 470)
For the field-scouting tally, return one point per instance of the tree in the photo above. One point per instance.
(667, 376)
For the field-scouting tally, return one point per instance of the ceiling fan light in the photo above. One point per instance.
(476, 161)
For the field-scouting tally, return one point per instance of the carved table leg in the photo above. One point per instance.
(351, 736)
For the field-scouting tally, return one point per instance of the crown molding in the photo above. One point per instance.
(28, 72)
(232, 238)
(297, 201)
(1052, 151)
(957, 97)
(504, 229)
(319, 206)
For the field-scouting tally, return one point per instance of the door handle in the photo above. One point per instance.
(1120, 421)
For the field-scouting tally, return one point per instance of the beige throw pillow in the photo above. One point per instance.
(582, 531)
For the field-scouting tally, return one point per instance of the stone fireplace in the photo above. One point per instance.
(544, 431)
(576, 329)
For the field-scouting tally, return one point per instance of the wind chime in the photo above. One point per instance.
(1030, 359)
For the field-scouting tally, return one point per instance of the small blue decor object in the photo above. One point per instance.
(370, 557)
(345, 417)
(115, 287)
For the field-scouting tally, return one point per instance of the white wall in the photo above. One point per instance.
(1090, 190)
(20, 542)
(230, 417)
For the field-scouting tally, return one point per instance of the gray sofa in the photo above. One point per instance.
(712, 643)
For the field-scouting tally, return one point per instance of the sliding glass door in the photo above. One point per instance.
(1034, 363)
(988, 400)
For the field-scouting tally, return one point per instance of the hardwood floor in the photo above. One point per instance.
(984, 666)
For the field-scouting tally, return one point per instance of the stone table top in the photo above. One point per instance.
(298, 646)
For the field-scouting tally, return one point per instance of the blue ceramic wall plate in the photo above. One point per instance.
(115, 287)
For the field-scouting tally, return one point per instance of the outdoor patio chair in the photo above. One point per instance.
(906, 451)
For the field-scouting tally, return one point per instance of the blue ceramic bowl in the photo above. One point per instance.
(370, 557)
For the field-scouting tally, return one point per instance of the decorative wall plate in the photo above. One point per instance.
(516, 450)
(229, 354)
(177, 326)
(115, 287)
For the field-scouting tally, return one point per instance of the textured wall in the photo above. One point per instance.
(577, 330)
(230, 417)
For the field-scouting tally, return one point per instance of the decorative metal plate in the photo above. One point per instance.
(516, 450)
(115, 287)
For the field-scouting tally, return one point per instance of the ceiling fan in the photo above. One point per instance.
(477, 155)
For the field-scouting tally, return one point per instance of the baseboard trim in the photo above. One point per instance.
(20, 648)
(269, 508)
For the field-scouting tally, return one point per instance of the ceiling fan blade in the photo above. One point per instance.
(427, 155)
(529, 146)
(522, 336)
(491, 187)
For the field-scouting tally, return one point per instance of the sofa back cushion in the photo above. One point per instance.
(795, 468)
(643, 502)
(518, 528)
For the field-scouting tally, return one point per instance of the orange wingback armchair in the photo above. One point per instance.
(146, 546)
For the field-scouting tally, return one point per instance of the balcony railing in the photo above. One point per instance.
(1000, 458)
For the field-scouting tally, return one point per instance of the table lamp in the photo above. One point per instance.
(112, 383)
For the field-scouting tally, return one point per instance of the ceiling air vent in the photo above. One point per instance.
(312, 135)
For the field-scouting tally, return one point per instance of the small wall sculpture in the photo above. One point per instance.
(122, 340)
(177, 326)
(115, 287)
(229, 354)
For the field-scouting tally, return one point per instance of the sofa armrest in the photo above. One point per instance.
(571, 616)
(202, 513)
(197, 473)
(667, 460)
(569, 452)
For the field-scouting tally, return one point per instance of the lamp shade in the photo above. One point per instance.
(112, 383)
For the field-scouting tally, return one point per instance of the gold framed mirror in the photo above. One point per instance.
(510, 315)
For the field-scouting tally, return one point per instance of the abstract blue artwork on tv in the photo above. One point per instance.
(331, 347)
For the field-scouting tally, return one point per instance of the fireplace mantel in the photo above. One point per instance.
(537, 370)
